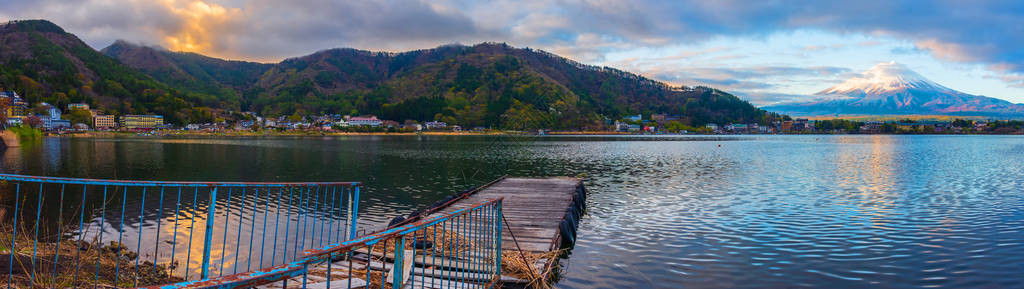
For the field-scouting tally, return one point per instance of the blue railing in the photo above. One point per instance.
(66, 232)
(460, 249)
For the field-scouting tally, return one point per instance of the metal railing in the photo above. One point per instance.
(460, 249)
(66, 232)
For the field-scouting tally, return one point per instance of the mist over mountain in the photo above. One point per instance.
(893, 89)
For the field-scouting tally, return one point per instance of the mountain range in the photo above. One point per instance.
(488, 84)
(891, 88)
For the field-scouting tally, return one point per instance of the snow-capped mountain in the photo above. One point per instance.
(893, 89)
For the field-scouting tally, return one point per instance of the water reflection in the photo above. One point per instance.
(663, 212)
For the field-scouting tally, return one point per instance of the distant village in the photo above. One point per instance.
(50, 118)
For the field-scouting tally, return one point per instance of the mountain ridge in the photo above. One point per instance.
(445, 82)
(489, 84)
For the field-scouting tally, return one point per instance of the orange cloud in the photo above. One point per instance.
(201, 26)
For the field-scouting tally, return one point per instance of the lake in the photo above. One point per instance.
(844, 211)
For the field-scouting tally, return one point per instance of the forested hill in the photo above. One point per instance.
(187, 70)
(488, 84)
(43, 63)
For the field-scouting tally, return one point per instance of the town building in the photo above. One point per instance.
(78, 106)
(52, 120)
(364, 121)
(737, 128)
(435, 125)
(621, 126)
(141, 121)
(104, 122)
(634, 117)
(712, 126)
(801, 124)
(659, 117)
(16, 107)
(786, 126)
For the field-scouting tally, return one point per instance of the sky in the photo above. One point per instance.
(763, 51)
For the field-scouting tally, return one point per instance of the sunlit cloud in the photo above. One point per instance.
(199, 23)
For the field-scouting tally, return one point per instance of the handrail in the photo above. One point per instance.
(374, 238)
(80, 181)
(67, 224)
(489, 222)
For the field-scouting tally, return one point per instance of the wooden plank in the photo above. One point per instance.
(342, 283)
(534, 209)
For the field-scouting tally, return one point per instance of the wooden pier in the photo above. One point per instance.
(540, 213)
(540, 216)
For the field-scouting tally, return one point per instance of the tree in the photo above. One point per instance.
(78, 116)
(32, 121)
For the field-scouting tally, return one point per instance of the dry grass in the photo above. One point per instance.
(80, 258)
(448, 243)
(524, 265)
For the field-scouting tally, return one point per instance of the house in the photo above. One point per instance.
(621, 126)
(369, 120)
(712, 126)
(435, 125)
(871, 127)
(634, 117)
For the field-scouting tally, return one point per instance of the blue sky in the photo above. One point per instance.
(763, 51)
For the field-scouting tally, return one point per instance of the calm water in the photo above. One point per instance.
(666, 212)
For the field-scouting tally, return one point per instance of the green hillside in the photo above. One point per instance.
(45, 64)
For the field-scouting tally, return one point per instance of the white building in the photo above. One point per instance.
(435, 125)
(364, 121)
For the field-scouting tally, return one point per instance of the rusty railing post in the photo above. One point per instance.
(209, 234)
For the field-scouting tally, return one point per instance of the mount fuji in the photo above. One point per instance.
(891, 88)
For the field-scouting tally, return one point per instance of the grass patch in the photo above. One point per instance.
(26, 132)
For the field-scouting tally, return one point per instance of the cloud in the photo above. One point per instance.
(984, 32)
(747, 78)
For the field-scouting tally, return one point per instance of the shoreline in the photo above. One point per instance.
(111, 134)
